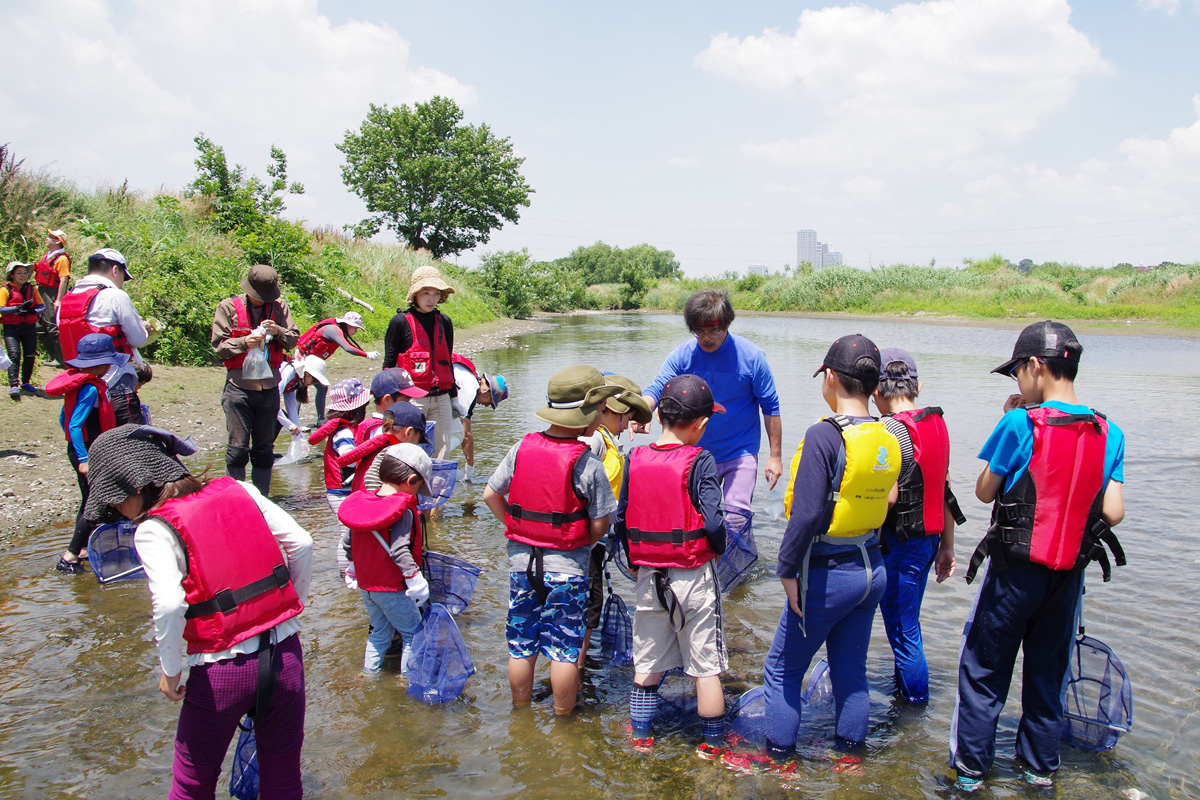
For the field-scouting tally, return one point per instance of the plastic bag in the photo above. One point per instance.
(775, 504)
(741, 551)
(298, 450)
(5, 361)
(255, 366)
(451, 580)
(243, 774)
(111, 553)
(440, 662)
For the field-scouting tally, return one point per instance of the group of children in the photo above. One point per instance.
(870, 513)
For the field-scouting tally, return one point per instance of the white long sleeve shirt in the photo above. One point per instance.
(165, 563)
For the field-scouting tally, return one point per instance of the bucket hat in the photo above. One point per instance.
(261, 283)
(97, 348)
(8, 271)
(315, 366)
(429, 277)
(352, 318)
(125, 460)
(573, 397)
(629, 401)
(347, 395)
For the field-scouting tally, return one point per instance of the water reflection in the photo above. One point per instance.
(83, 716)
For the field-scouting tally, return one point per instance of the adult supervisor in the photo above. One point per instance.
(251, 406)
(741, 381)
(324, 339)
(53, 276)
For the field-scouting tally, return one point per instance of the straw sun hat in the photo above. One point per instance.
(429, 278)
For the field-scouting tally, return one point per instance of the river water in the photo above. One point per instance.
(83, 717)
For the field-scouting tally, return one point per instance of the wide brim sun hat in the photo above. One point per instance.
(429, 278)
(125, 460)
(353, 319)
(629, 401)
(315, 366)
(573, 397)
(347, 395)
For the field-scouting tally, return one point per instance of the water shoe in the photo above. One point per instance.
(1037, 778)
(643, 744)
(710, 752)
(967, 784)
(71, 567)
(755, 763)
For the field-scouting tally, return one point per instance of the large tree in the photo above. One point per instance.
(439, 184)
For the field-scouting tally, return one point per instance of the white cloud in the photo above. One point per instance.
(921, 85)
(144, 78)
(1174, 161)
(683, 163)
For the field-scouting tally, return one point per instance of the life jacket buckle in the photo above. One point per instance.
(225, 601)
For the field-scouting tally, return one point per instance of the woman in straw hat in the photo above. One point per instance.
(426, 336)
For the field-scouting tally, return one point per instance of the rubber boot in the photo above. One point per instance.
(261, 478)
(237, 473)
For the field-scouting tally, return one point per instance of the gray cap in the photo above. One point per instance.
(893, 355)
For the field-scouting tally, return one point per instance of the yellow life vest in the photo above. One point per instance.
(614, 462)
(869, 465)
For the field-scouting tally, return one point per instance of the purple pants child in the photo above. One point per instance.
(218, 696)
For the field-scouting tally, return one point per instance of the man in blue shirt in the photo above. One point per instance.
(741, 381)
(1055, 471)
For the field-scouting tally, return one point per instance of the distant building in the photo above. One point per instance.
(757, 269)
(808, 248)
(832, 259)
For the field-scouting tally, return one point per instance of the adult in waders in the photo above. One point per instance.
(98, 304)
(1054, 470)
(426, 336)
(324, 339)
(742, 382)
(257, 317)
(228, 573)
(52, 273)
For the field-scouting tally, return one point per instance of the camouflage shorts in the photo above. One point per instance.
(553, 629)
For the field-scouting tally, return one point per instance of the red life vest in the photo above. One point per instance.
(365, 429)
(312, 343)
(365, 514)
(665, 528)
(73, 324)
(334, 474)
(1051, 515)
(455, 358)
(431, 366)
(68, 384)
(544, 509)
(16, 296)
(362, 457)
(273, 311)
(237, 583)
(44, 271)
(921, 504)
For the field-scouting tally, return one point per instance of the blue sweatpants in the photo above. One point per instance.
(838, 616)
(1026, 607)
(908, 566)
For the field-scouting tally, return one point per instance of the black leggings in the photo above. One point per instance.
(79, 539)
(21, 343)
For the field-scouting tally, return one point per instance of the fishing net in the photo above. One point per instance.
(111, 552)
(1099, 697)
(451, 580)
(440, 663)
(619, 557)
(441, 484)
(740, 549)
(243, 775)
(616, 631)
(748, 717)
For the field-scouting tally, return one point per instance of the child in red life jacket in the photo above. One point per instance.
(383, 545)
(86, 414)
(388, 387)
(558, 506)
(919, 530)
(402, 423)
(20, 306)
(228, 572)
(1055, 470)
(295, 378)
(346, 409)
(671, 522)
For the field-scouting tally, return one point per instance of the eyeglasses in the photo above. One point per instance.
(710, 334)
(1012, 373)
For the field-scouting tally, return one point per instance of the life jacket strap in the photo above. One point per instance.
(676, 536)
(668, 599)
(928, 411)
(955, 511)
(227, 600)
(556, 519)
(535, 571)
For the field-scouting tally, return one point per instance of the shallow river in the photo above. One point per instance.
(82, 715)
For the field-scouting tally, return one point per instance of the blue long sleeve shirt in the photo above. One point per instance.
(85, 403)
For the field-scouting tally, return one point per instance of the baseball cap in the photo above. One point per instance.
(1046, 339)
(845, 352)
(406, 415)
(416, 458)
(109, 254)
(395, 380)
(893, 355)
(689, 397)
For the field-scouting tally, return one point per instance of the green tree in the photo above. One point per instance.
(240, 203)
(439, 184)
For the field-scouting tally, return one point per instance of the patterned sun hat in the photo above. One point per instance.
(347, 395)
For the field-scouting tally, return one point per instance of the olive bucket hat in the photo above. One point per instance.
(573, 397)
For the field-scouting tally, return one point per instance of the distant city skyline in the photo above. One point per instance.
(815, 252)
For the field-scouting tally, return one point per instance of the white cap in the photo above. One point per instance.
(416, 458)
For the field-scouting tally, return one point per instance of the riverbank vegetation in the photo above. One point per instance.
(189, 250)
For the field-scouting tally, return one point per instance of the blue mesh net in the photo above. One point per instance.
(748, 717)
(619, 557)
(445, 475)
(451, 580)
(616, 632)
(1099, 697)
(243, 775)
(111, 553)
(440, 663)
(741, 551)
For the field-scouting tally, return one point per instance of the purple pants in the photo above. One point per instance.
(218, 696)
(738, 476)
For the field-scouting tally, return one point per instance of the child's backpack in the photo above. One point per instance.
(440, 663)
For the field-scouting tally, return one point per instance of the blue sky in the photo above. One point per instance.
(902, 132)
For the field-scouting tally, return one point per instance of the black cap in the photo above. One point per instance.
(1042, 340)
(688, 397)
(845, 353)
